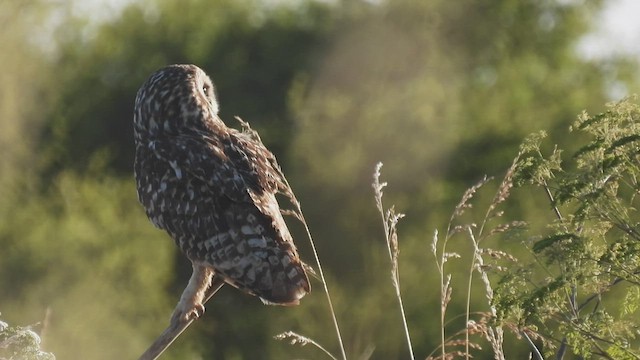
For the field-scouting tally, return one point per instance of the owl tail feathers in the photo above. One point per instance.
(287, 293)
(292, 299)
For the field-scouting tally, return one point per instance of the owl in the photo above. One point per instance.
(213, 190)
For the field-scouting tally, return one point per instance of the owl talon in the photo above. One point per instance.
(197, 311)
(186, 314)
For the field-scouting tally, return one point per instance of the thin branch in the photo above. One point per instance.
(550, 196)
(533, 346)
(599, 293)
(562, 349)
(175, 328)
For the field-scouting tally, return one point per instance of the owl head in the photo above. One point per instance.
(177, 99)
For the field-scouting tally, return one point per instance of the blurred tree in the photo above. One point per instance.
(21, 86)
(85, 252)
(519, 59)
(251, 50)
(441, 91)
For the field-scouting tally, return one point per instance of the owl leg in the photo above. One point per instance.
(191, 305)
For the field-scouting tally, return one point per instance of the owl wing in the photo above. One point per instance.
(244, 237)
(231, 167)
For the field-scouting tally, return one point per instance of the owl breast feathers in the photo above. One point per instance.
(212, 188)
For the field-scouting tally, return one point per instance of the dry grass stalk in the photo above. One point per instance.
(390, 221)
(504, 190)
(442, 256)
(300, 216)
(494, 335)
(295, 338)
(285, 189)
(468, 195)
(454, 341)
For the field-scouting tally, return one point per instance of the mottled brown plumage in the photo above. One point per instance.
(212, 188)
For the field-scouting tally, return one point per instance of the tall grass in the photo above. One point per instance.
(286, 190)
(480, 324)
(390, 221)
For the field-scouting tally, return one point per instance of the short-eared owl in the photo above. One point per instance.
(212, 188)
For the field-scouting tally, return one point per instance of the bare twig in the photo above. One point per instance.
(175, 328)
(552, 200)
(534, 348)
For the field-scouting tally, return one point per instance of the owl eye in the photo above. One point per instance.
(205, 89)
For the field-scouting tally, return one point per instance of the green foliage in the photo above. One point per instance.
(584, 286)
(20, 88)
(77, 251)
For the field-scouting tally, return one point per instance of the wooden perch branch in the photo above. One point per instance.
(175, 328)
